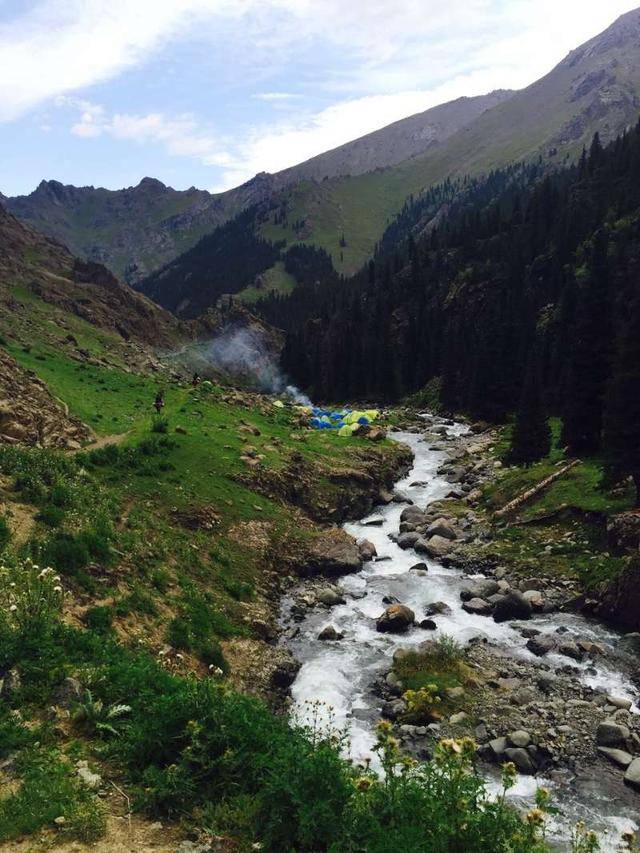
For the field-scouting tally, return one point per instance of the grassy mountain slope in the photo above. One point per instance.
(595, 88)
(137, 230)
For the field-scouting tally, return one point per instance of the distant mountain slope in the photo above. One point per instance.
(343, 200)
(137, 230)
(394, 143)
(595, 88)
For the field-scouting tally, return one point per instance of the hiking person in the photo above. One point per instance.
(159, 402)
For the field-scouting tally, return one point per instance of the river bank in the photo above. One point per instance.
(542, 686)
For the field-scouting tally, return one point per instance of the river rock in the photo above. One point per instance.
(541, 644)
(617, 702)
(519, 738)
(632, 776)
(479, 589)
(394, 709)
(436, 547)
(478, 606)
(68, 693)
(498, 746)
(330, 597)
(436, 608)
(367, 550)
(285, 674)
(570, 650)
(513, 606)
(396, 619)
(413, 514)
(408, 540)
(330, 633)
(334, 553)
(374, 521)
(610, 733)
(522, 760)
(617, 756)
(456, 719)
(535, 599)
(419, 567)
(428, 624)
(442, 527)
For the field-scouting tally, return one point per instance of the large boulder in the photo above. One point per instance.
(541, 644)
(632, 776)
(442, 527)
(367, 550)
(396, 619)
(436, 547)
(620, 600)
(477, 606)
(408, 540)
(521, 758)
(610, 733)
(479, 589)
(623, 533)
(413, 514)
(512, 606)
(334, 553)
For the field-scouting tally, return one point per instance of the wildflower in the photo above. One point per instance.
(450, 745)
(535, 817)
(13, 608)
(57, 589)
(363, 783)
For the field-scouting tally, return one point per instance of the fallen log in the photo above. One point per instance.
(526, 496)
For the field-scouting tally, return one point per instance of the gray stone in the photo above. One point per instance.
(10, 684)
(541, 644)
(513, 606)
(570, 650)
(522, 760)
(394, 709)
(68, 694)
(367, 550)
(479, 589)
(330, 597)
(436, 607)
(498, 746)
(632, 776)
(610, 733)
(617, 756)
(519, 738)
(396, 619)
(90, 779)
(408, 540)
(477, 606)
(436, 547)
(456, 719)
(413, 514)
(442, 527)
(330, 633)
(617, 702)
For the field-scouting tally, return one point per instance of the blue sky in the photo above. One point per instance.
(209, 92)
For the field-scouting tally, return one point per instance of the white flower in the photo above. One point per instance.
(13, 608)
(57, 589)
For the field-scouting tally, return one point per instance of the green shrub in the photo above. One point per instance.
(52, 516)
(160, 424)
(99, 619)
(5, 533)
(49, 789)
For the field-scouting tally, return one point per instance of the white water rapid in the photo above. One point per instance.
(341, 674)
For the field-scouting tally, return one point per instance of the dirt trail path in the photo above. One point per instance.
(104, 441)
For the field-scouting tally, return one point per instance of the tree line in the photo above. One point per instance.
(528, 289)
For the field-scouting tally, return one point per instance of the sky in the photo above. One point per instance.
(207, 93)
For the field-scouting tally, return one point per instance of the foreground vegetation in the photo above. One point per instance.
(192, 748)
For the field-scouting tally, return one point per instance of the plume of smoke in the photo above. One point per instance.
(242, 352)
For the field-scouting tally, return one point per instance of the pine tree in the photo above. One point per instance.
(531, 438)
(622, 414)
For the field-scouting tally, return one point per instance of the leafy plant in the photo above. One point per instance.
(96, 718)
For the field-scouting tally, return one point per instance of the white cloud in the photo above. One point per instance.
(275, 96)
(181, 136)
(63, 45)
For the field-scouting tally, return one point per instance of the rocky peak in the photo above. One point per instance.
(152, 185)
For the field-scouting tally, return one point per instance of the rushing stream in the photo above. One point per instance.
(341, 674)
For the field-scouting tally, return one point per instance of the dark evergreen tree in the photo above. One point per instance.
(622, 415)
(531, 438)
